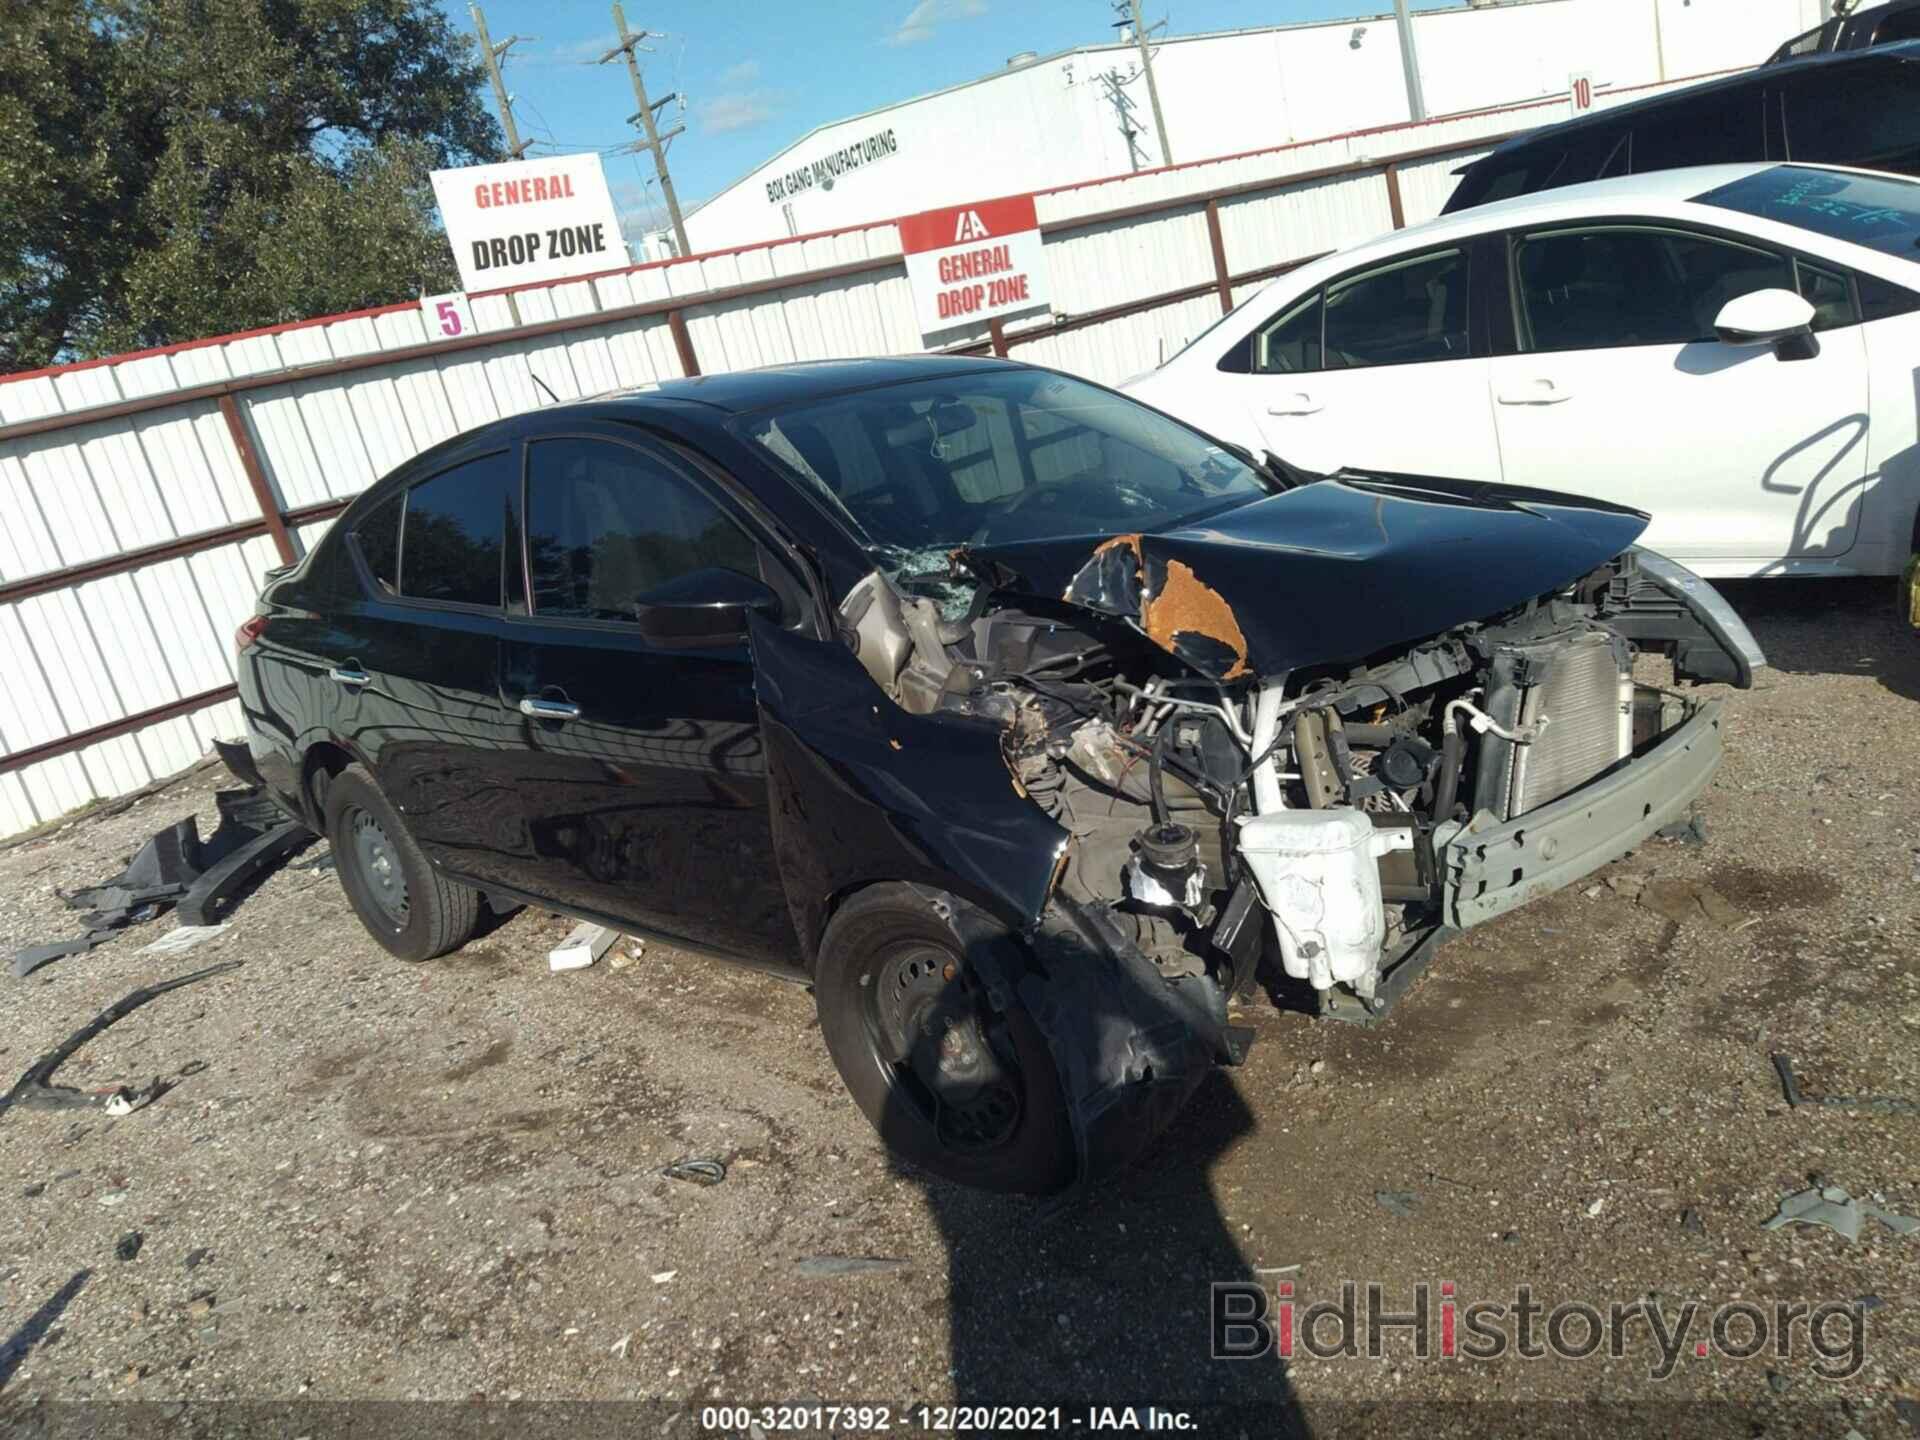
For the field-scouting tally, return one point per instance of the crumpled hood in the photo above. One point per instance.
(1330, 571)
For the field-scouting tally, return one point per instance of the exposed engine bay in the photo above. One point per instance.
(1299, 818)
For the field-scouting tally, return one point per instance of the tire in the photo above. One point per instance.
(985, 1110)
(380, 863)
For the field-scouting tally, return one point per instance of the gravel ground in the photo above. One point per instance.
(377, 1182)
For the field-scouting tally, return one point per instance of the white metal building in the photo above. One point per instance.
(1083, 114)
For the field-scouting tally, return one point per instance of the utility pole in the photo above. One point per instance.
(655, 141)
(490, 54)
(1410, 61)
(1153, 90)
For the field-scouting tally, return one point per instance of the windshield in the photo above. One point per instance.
(1881, 212)
(998, 456)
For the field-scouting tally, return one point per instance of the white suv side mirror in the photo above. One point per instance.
(1765, 317)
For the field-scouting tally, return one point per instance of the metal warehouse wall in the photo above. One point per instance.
(143, 496)
(1051, 121)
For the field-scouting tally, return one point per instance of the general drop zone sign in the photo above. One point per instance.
(974, 263)
(529, 220)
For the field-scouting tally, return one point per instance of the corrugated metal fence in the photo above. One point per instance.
(142, 496)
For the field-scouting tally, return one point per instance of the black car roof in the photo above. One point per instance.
(737, 391)
(1904, 52)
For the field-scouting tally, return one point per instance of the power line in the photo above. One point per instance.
(655, 141)
(491, 55)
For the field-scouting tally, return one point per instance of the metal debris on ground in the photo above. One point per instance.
(1686, 832)
(700, 1172)
(1397, 1202)
(823, 1267)
(34, 1090)
(583, 945)
(1872, 1104)
(1789, 1087)
(1833, 1207)
(177, 868)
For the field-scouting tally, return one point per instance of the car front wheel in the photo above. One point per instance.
(953, 1084)
(410, 908)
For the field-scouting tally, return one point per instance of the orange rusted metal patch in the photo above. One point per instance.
(1188, 606)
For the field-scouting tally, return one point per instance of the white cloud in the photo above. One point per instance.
(741, 102)
(737, 110)
(927, 14)
(570, 52)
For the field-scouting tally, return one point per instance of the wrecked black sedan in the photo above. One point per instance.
(1025, 723)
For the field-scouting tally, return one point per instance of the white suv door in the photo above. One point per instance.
(1621, 391)
(1374, 370)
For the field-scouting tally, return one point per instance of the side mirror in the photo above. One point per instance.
(1778, 318)
(704, 607)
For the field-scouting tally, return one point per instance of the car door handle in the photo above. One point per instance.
(543, 709)
(1534, 392)
(351, 675)
(1299, 403)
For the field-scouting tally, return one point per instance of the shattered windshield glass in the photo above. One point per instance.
(924, 468)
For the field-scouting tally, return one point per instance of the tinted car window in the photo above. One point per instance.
(450, 538)
(1901, 25)
(1594, 289)
(611, 529)
(1710, 131)
(1292, 343)
(377, 537)
(1409, 311)
(1828, 293)
(1867, 117)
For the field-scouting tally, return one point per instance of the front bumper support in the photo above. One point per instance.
(1489, 871)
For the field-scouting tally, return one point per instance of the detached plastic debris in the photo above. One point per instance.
(586, 944)
(1834, 1208)
(183, 937)
(177, 868)
(34, 1090)
(827, 1267)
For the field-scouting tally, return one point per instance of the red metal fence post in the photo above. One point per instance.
(257, 477)
(1222, 277)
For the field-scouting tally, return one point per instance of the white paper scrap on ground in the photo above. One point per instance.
(183, 937)
(586, 944)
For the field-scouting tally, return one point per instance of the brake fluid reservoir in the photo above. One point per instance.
(1319, 873)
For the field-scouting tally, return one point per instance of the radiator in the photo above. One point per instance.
(1587, 700)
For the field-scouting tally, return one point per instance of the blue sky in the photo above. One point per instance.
(757, 76)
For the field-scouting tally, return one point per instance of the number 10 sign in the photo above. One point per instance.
(449, 317)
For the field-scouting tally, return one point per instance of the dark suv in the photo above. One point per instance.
(1859, 109)
(1020, 720)
(1880, 25)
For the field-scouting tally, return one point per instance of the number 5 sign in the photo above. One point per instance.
(449, 317)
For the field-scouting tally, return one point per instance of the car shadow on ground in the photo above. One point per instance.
(35, 1328)
(1103, 1300)
(1102, 1297)
(1830, 627)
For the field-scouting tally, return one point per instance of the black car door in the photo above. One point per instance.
(641, 779)
(412, 664)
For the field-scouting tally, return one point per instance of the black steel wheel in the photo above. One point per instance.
(414, 911)
(952, 1083)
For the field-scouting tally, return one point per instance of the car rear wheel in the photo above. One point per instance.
(952, 1084)
(414, 911)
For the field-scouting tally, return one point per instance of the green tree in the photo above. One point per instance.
(179, 168)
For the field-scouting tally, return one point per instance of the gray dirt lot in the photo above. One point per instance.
(442, 1182)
